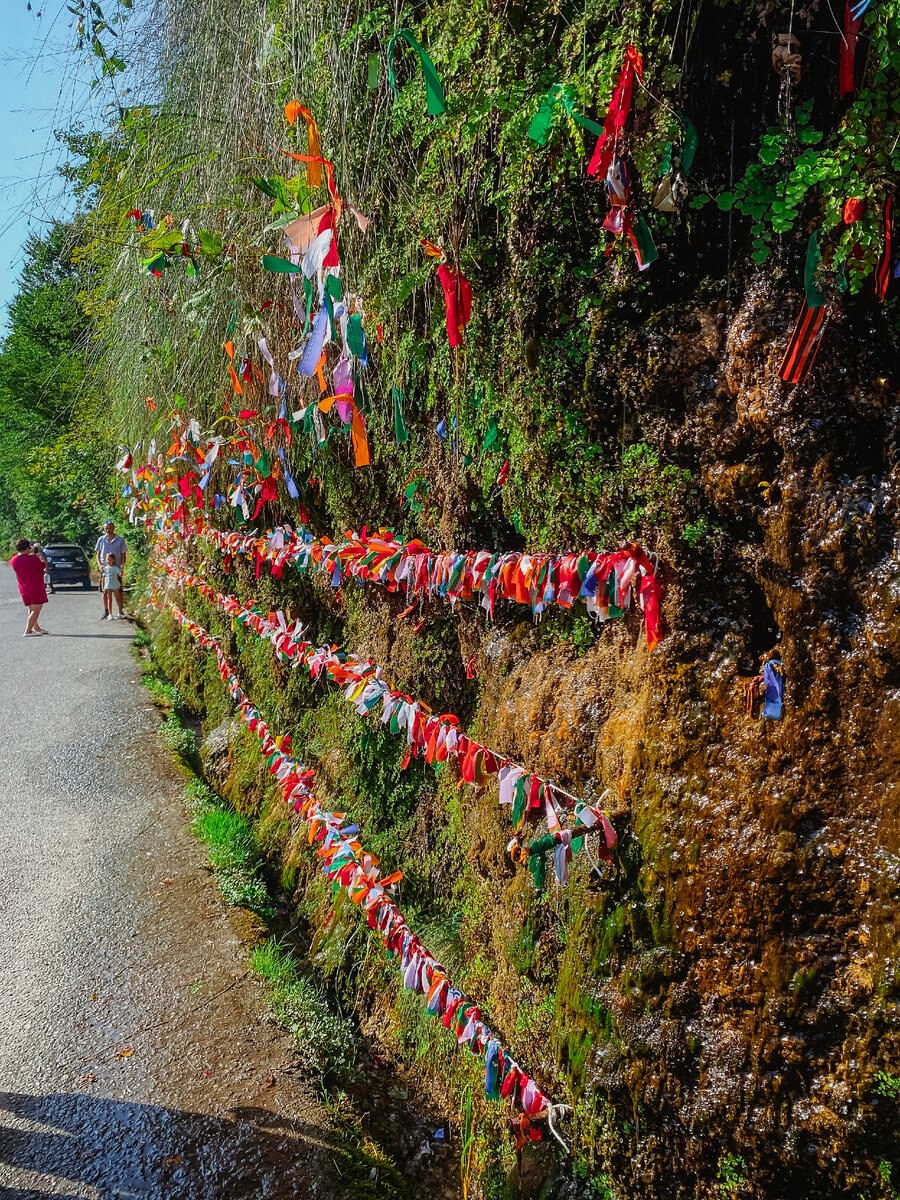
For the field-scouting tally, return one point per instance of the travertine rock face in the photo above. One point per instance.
(732, 987)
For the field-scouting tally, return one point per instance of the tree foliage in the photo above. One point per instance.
(55, 449)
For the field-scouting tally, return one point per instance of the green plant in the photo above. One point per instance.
(799, 167)
(182, 742)
(887, 1085)
(600, 1184)
(164, 693)
(324, 1040)
(885, 1174)
(233, 851)
(200, 796)
(732, 1173)
(701, 533)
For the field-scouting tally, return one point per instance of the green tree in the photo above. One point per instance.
(55, 452)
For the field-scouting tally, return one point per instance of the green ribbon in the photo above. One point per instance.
(537, 859)
(308, 292)
(356, 342)
(280, 266)
(411, 492)
(814, 298)
(493, 433)
(524, 781)
(537, 856)
(333, 287)
(362, 393)
(400, 430)
(539, 129)
(432, 83)
(644, 238)
(688, 142)
(689, 139)
(372, 79)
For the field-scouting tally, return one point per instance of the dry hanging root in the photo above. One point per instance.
(756, 690)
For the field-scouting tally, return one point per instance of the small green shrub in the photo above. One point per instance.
(324, 1040)
(164, 694)
(245, 890)
(229, 838)
(180, 741)
(200, 795)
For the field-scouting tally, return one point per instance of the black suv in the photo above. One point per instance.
(67, 564)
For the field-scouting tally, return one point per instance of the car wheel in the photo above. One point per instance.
(87, 586)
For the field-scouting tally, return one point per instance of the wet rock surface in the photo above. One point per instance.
(136, 1055)
(730, 989)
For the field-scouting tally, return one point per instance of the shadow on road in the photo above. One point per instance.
(110, 636)
(128, 1150)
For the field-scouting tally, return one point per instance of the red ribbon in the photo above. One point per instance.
(883, 269)
(619, 108)
(458, 298)
(848, 50)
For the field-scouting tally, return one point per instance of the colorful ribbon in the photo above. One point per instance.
(883, 269)
(348, 865)
(619, 108)
(603, 581)
(804, 344)
(432, 82)
(436, 738)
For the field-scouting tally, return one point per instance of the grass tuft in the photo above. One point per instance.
(232, 849)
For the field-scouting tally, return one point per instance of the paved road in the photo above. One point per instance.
(135, 1057)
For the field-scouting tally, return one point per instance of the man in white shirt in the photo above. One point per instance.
(111, 543)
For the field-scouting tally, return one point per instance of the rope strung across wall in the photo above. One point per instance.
(348, 865)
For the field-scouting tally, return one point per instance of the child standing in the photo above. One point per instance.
(112, 581)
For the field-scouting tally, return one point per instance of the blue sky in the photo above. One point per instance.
(41, 89)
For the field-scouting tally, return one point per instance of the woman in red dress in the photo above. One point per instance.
(29, 571)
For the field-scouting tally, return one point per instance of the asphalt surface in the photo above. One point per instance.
(136, 1056)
